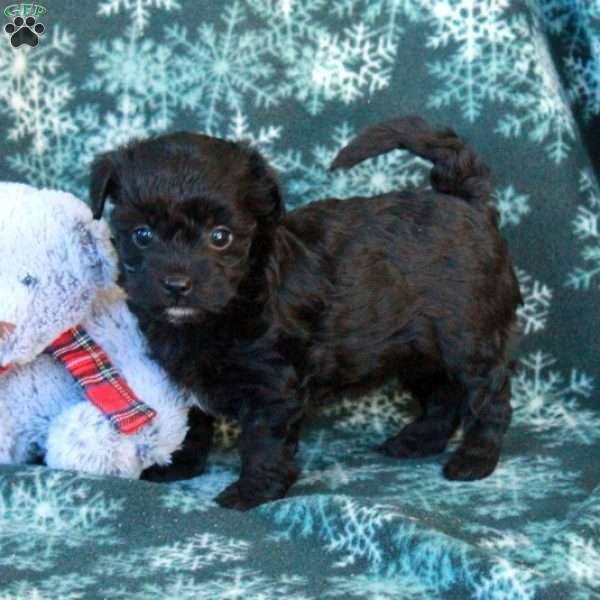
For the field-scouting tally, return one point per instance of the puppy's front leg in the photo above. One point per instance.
(267, 446)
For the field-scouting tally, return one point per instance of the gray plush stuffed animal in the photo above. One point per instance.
(58, 271)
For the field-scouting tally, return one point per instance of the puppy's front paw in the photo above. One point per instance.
(232, 497)
(468, 467)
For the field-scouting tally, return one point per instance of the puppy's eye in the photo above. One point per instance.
(142, 236)
(29, 280)
(220, 238)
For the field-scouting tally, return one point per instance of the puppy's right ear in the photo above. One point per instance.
(103, 182)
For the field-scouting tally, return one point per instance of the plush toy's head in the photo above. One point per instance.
(53, 260)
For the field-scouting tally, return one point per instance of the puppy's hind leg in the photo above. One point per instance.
(430, 432)
(488, 414)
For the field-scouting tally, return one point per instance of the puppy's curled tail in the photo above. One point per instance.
(457, 170)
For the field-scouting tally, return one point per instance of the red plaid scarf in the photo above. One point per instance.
(100, 381)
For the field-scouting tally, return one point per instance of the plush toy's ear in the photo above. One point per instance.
(95, 247)
(103, 182)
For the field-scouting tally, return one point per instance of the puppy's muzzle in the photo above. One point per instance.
(177, 286)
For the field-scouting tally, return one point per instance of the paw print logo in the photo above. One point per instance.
(24, 31)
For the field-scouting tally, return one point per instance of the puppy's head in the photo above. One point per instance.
(192, 215)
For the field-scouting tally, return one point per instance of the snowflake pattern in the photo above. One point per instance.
(340, 66)
(191, 554)
(43, 514)
(36, 99)
(533, 314)
(542, 545)
(345, 61)
(547, 402)
(585, 227)
(220, 68)
(345, 527)
(511, 205)
(501, 59)
(394, 548)
(137, 72)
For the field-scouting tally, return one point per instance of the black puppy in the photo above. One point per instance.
(265, 313)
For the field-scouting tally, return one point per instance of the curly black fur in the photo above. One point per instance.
(331, 299)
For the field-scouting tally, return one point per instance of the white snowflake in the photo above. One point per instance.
(195, 553)
(438, 561)
(239, 130)
(427, 563)
(347, 60)
(42, 513)
(135, 72)
(341, 523)
(481, 35)
(511, 205)
(505, 582)
(559, 556)
(344, 66)
(533, 314)
(502, 58)
(547, 402)
(387, 16)
(139, 10)
(585, 227)
(543, 107)
(583, 560)
(518, 544)
(221, 69)
(289, 25)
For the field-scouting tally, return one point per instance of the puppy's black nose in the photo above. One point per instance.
(177, 285)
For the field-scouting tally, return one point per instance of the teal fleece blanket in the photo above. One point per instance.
(521, 82)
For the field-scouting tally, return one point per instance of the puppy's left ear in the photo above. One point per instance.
(265, 198)
(103, 182)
